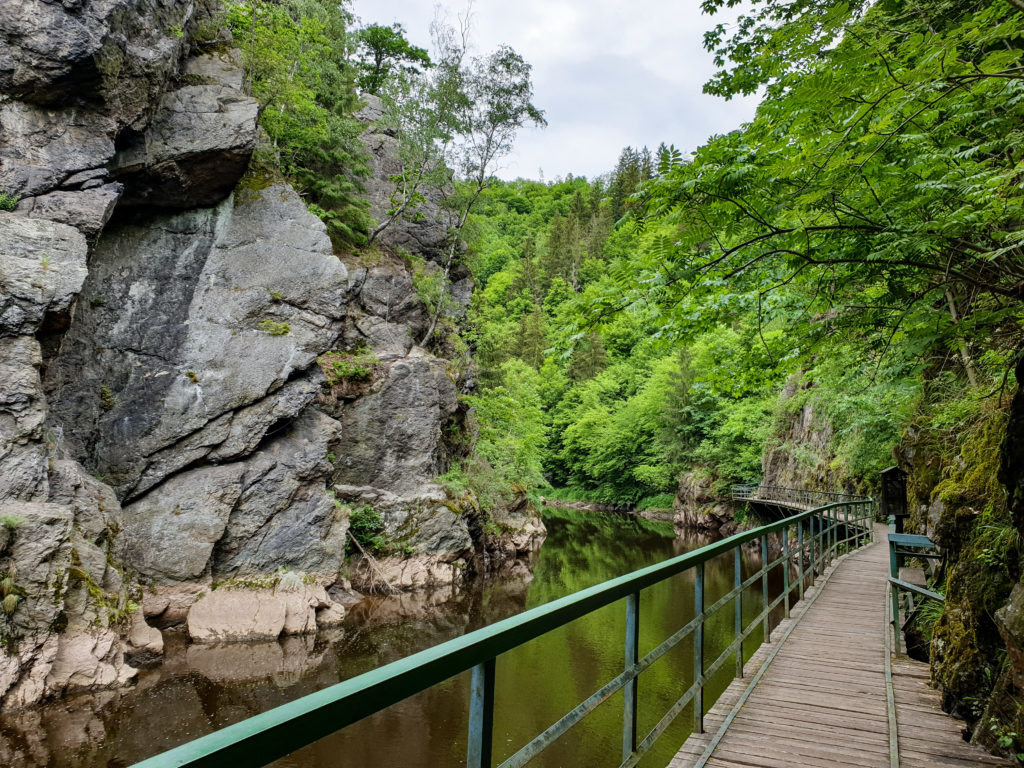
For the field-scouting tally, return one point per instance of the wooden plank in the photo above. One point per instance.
(822, 700)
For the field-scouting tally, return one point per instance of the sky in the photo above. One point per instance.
(607, 73)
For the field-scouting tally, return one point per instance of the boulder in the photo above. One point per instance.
(171, 531)
(42, 268)
(237, 614)
(168, 604)
(145, 643)
(189, 319)
(231, 613)
(195, 149)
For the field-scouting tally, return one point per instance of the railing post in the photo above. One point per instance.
(846, 528)
(698, 651)
(481, 716)
(737, 580)
(894, 572)
(800, 557)
(631, 702)
(766, 622)
(833, 532)
(785, 570)
(811, 538)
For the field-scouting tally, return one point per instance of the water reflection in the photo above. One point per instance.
(200, 688)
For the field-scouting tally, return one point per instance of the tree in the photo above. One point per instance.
(482, 103)
(881, 172)
(417, 124)
(296, 65)
(381, 51)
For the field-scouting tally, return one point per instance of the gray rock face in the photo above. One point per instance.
(88, 210)
(171, 531)
(195, 149)
(810, 467)
(249, 517)
(43, 147)
(22, 412)
(42, 268)
(267, 512)
(393, 437)
(39, 555)
(188, 320)
(387, 292)
(284, 517)
(118, 50)
(422, 231)
(389, 341)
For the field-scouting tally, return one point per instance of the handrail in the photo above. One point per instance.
(795, 497)
(822, 532)
(912, 545)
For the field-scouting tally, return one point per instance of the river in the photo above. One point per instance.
(200, 688)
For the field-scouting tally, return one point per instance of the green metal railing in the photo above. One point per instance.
(809, 541)
(902, 545)
(792, 497)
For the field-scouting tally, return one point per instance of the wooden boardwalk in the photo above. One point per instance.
(822, 700)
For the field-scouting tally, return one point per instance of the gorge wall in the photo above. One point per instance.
(199, 390)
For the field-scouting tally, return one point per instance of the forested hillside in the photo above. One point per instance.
(830, 289)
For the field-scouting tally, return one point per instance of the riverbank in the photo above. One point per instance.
(201, 687)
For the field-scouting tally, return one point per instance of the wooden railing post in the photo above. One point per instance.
(698, 650)
(630, 700)
(481, 716)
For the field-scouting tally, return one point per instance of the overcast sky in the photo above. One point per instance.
(607, 73)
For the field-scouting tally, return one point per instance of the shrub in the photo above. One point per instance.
(367, 527)
(340, 367)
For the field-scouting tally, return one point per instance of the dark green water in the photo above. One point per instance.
(201, 688)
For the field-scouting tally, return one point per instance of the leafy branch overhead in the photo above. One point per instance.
(879, 180)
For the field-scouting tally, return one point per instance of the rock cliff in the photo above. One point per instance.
(198, 390)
